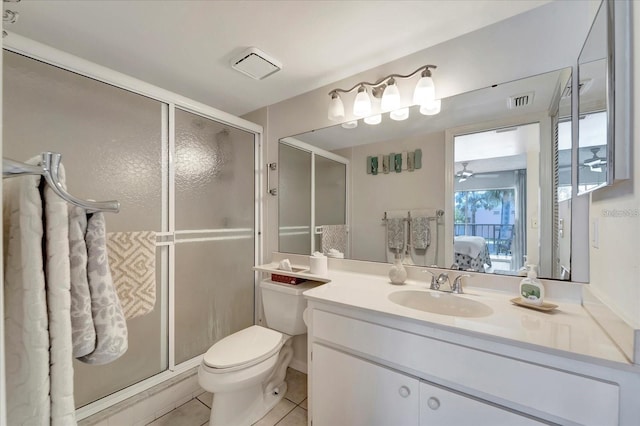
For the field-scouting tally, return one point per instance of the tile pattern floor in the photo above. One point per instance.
(291, 411)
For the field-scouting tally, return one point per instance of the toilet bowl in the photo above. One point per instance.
(245, 371)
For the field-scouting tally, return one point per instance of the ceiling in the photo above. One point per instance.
(186, 46)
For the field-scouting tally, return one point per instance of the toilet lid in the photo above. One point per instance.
(244, 347)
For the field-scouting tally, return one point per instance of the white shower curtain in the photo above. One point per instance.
(37, 301)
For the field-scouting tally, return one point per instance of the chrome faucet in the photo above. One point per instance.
(437, 280)
(456, 287)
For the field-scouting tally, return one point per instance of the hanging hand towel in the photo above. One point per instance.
(395, 233)
(420, 232)
(109, 321)
(83, 333)
(334, 237)
(132, 258)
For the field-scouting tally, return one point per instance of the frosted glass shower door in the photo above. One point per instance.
(112, 147)
(294, 196)
(215, 208)
(331, 197)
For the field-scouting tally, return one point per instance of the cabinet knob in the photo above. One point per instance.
(433, 403)
(404, 391)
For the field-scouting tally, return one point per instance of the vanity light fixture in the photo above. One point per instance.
(431, 108)
(399, 114)
(373, 119)
(387, 90)
(350, 124)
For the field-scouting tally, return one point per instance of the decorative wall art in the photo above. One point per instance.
(396, 162)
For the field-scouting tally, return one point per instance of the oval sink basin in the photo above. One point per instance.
(440, 303)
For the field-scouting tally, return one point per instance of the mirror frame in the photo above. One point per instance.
(618, 18)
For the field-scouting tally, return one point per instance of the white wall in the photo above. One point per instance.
(545, 39)
(372, 195)
(615, 263)
(509, 50)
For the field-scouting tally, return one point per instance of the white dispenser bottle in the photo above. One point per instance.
(531, 289)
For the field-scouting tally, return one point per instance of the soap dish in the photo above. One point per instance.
(545, 307)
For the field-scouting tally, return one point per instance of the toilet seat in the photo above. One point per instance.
(243, 349)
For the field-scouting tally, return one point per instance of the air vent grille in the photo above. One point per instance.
(256, 64)
(521, 100)
(583, 87)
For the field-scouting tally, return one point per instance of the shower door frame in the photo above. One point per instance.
(314, 150)
(166, 238)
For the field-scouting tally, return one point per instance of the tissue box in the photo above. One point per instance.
(286, 279)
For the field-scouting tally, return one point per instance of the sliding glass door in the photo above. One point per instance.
(214, 232)
(183, 175)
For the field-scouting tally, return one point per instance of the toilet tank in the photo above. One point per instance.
(284, 304)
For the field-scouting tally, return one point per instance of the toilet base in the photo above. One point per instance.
(244, 407)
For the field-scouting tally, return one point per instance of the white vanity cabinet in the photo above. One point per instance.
(350, 391)
(442, 406)
(357, 392)
(370, 369)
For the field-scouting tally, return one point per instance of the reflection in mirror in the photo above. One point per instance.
(510, 182)
(595, 147)
(312, 199)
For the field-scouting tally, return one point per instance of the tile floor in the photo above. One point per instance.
(291, 411)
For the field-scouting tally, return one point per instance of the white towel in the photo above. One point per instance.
(26, 322)
(471, 246)
(108, 318)
(39, 371)
(59, 306)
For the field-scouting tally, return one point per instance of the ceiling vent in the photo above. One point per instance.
(256, 64)
(583, 87)
(519, 101)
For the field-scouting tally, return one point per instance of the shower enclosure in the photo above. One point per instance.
(181, 169)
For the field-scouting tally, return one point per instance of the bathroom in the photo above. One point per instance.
(507, 45)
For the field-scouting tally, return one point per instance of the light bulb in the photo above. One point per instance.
(425, 91)
(431, 108)
(362, 103)
(350, 124)
(399, 114)
(373, 119)
(336, 107)
(390, 97)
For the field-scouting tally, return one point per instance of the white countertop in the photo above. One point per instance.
(569, 328)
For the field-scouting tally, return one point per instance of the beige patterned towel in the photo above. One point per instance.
(334, 237)
(132, 257)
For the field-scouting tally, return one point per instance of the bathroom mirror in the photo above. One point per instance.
(603, 101)
(512, 141)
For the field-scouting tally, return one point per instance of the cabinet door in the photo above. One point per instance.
(346, 390)
(439, 406)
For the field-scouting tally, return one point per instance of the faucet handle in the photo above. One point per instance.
(456, 287)
(435, 284)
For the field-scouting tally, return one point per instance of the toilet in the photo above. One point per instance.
(245, 371)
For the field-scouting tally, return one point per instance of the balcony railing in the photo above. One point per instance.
(498, 237)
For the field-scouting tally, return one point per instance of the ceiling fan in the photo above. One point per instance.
(464, 174)
(595, 163)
